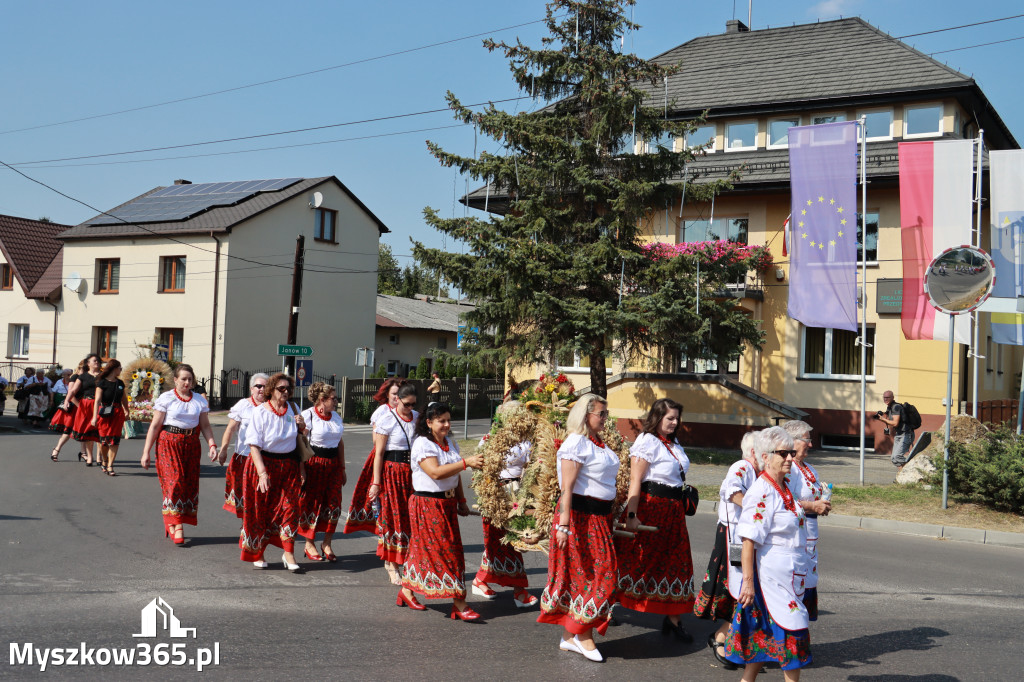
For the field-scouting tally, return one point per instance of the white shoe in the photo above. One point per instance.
(569, 645)
(530, 600)
(260, 565)
(590, 654)
(486, 592)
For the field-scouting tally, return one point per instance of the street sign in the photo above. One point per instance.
(294, 351)
(303, 372)
(364, 357)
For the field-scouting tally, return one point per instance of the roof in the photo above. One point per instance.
(414, 313)
(217, 219)
(33, 250)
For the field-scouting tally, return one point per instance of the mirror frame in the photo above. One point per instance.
(981, 299)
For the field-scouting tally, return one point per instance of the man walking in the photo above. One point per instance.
(894, 418)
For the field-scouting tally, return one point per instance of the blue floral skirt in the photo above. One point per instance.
(754, 637)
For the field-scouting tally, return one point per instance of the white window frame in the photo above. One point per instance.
(840, 117)
(681, 228)
(394, 339)
(728, 147)
(650, 147)
(714, 138)
(923, 105)
(870, 212)
(684, 360)
(768, 131)
(892, 122)
(577, 367)
(16, 339)
(828, 358)
(392, 367)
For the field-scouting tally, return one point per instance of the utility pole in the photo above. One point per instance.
(293, 315)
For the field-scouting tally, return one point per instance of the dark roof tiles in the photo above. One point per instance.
(31, 247)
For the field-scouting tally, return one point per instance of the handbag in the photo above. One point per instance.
(691, 496)
(106, 410)
(302, 443)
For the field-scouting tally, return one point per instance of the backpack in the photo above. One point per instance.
(912, 416)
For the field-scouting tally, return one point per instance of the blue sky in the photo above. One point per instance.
(68, 61)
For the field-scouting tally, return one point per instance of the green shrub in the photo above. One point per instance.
(362, 410)
(989, 471)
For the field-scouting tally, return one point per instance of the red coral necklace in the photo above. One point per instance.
(274, 409)
(178, 396)
(784, 493)
(321, 414)
(596, 441)
(444, 446)
(806, 471)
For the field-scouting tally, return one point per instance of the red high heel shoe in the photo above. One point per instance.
(468, 614)
(179, 540)
(312, 557)
(411, 603)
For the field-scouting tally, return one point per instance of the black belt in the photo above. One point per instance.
(294, 454)
(328, 453)
(592, 505)
(399, 456)
(670, 492)
(438, 495)
(811, 515)
(177, 429)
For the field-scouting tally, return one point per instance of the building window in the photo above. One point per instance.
(878, 124)
(704, 366)
(872, 244)
(17, 344)
(741, 136)
(572, 361)
(922, 121)
(106, 342)
(442, 342)
(325, 222)
(392, 368)
(393, 339)
(6, 277)
(172, 274)
(703, 135)
(665, 139)
(170, 341)
(729, 229)
(108, 275)
(827, 118)
(778, 132)
(834, 354)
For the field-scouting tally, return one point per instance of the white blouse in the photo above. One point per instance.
(663, 466)
(379, 413)
(766, 521)
(739, 479)
(600, 466)
(426, 447)
(400, 433)
(241, 412)
(272, 433)
(516, 459)
(323, 434)
(804, 490)
(179, 413)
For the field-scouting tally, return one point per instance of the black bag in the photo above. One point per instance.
(106, 410)
(20, 394)
(911, 416)
(691, 497)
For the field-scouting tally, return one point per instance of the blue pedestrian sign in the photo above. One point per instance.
(469, 336)
(303, 372)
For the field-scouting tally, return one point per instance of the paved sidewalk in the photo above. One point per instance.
(834, 467)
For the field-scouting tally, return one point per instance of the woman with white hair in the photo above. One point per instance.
(714, 601)
(582, 569)
(770, 620)
(808, 489)
(238, 420)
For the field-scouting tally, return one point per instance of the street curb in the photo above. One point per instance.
(976, 535)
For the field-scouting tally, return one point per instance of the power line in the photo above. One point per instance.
(954, 28)
(968, 47)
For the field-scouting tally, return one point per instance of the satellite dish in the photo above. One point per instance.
(74, 282)
(316, 199)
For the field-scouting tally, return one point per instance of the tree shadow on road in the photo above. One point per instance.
(866, 650)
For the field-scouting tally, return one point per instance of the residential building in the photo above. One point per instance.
(410, 329)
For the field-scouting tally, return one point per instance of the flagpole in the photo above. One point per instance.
(864, 285)
(949, 418)
(977, 243)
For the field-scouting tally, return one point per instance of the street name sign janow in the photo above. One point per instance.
(286, 350)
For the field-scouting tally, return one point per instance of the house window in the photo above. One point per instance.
(878, 124)
(442, 342)
(392, 367)
(172, 274)
(17, 345)
(6, 277)
(106, 341)
(108, 275)
(705, 366)
(834, 354)
(172, 339)
(393, 339)
(730, 229)
(741, 136)
(922, 121)
(827, 118)
(665, 139)
(778, 132)
(872, 244)
(703, 135)
(325, 222)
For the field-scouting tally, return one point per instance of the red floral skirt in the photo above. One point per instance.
(110, 427)
(269, 518)
(435, 564)
(320, 498)
(655, 568)
(393, 526)
(64, 422)
(714, 601)
(500, 564)
(360, 511)
(234, 479)
(82, 430)
(582, 577)
(177, 467)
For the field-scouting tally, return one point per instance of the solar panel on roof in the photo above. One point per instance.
(180, 202)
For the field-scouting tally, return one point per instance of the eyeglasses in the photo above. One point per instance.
(804, 440)
(412, 404)
(603, 414)
(259, 386)
(283, 389)
(785, 453)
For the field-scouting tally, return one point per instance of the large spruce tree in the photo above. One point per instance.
(547, 276)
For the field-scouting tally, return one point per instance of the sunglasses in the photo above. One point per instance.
(603, 414)
(412, 404)
(785, 453)
(283, 389)
(259, 386)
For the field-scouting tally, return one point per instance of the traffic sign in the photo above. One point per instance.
(303, 372)
(294, 351)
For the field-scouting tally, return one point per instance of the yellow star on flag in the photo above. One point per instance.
(831, 202)
(843, 221)
(803, 212)
(812, 242)
(821, 245)
(839, 210)
(800, 224)
(803, 236)
(840, 233)
(821, 199)
(808, 202)
(832, 242)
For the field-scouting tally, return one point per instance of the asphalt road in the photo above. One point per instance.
(81, 554)
(958, 289)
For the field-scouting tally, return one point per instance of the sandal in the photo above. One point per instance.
(328, 553)
(111, 472)
(725, 662)
(53, 455)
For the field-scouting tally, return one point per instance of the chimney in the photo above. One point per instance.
(182, 182)
(735, 26)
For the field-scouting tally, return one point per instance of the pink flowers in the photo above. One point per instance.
(717, 250)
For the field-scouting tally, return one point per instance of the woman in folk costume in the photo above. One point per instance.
(360, 510)
(808, 489)
(435, 563)
(238, 421)
(273, 476)
(715, 601)
(109, 410)
(770, 620)
(85, 391)
(320, 498)
(501, 563)
(656, 568)
(179, 416)
(393, 437)
(582, 569)
(63, 421)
